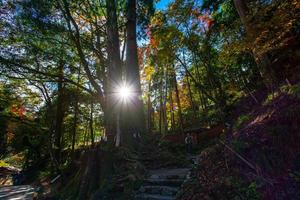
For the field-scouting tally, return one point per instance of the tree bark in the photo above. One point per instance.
(191, 99)
(118, 135)
(91, 124)
(85, 136)
(172, 111)
(178, 102)
(242, 10)
(76, 110)
(60, 111)
(165, 119)
(149, 120)
(161, 105)
(132, 79)
(114, 78)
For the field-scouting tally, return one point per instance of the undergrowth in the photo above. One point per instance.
(242, 119)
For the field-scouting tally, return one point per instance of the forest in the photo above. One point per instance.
(150, 99)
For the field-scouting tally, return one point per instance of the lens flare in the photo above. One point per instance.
(124, 92)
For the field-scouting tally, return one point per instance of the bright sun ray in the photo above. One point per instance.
(124, 92)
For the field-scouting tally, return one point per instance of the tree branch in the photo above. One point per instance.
(197, 84)
(10, 62)
(76, 39)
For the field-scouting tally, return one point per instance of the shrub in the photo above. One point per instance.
(241, 120)
(246, 191)
(239, 145)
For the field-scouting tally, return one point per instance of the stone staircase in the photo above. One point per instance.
(163, 184)
(20, 192)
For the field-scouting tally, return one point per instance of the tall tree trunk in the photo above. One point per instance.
(178, 101)
(114, 79)
(85, 136)
(91, 124)
(74, 125)
(172, 111)
(59, 113)
(165, 119)
(136, 116)
(161, 105)
(242, 10)
(118, 136)
(3, 136)
(76, 110)
(149, 118)
(191, 99)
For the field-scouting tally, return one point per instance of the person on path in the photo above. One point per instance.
(188, 143)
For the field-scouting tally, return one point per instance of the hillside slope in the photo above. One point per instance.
(262, 160)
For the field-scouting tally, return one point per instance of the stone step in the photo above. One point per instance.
(157, 189)
(153, 197)
(163, 182)
(177, 173)
(17, 192)
(169, 172)
(21, 196)
(168, 176)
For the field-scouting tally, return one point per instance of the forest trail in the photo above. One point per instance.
(98, 99)
(164, 183)
(24, 192)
